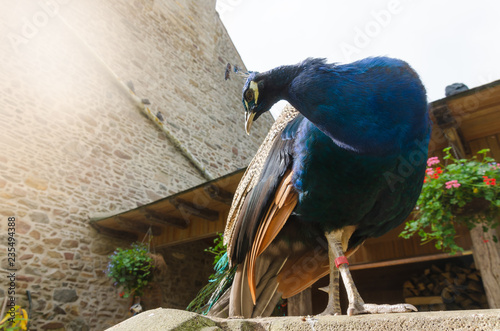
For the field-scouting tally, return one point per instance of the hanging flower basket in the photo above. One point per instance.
(463, 191)
(134, 268)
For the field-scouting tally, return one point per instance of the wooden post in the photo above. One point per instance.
(300, 304)
(487, 258)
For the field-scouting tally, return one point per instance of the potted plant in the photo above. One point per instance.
(133, 269)
(462, 192)
(458, 192)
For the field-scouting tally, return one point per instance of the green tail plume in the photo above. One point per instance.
(218, 283)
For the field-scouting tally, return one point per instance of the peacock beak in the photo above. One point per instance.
(248, 121)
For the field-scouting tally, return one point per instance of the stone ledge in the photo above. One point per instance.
(171, 319)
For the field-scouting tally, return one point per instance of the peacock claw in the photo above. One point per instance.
(356, 309)
(370, 308)
(330, 311)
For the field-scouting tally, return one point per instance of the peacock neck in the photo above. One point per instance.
(278, 80)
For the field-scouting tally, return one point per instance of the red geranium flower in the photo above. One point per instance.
(489, 181)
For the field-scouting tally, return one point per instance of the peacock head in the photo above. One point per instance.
(256, 99)
(251, 101)
(262, 90)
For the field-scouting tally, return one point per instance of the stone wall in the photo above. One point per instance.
(73, 144)
(189, 267)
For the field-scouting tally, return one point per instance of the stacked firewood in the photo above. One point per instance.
(448, 288)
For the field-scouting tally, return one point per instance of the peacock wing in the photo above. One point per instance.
(253, 174)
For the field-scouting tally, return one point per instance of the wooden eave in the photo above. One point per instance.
(199, 212)
(474, 114)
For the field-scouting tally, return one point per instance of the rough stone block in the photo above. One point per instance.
(78, 324)
(34, 234)
(122, 155)
(22, 227)
(60, 212)
(57, 275)
(164, 319)
(25, 257)
(38, 249)
(29, 203)
(53, 326)
(7, 212)
(101, 248)
(65, 295)
(171, 319)
(70, 243)
(52, 241)
(39, 217)
(22, 278)
(76, 265)
(54, 254)
(50, 263)
(37, 183)
(19, 192)
(6, 196)
(32, 271)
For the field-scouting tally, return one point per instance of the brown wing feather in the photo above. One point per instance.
(284, 202)
(302, 271)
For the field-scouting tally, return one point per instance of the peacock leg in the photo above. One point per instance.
(337, 243)
(333, 306)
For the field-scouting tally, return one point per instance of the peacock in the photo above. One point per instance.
(345, 161)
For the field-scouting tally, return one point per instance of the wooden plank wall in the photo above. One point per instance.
(197, 230)
(491, 142)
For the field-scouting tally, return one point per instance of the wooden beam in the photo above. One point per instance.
(451, 129)
(187, 208)
(415, 259)
(137, 226)
(188, 239)
(219, 194)
(161, 219)
(114, 233)
(456, 140)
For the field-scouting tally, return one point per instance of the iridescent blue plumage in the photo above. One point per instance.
(351, 166)
(363, 124)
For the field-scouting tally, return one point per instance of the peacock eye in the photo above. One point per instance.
(249, 95)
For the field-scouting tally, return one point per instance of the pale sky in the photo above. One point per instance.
(444, 41)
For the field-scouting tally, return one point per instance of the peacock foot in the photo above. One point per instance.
(333, 307)
(330, 311)
(370, 308)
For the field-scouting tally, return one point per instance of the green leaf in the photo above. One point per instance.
(484, 151)
(489, 195)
